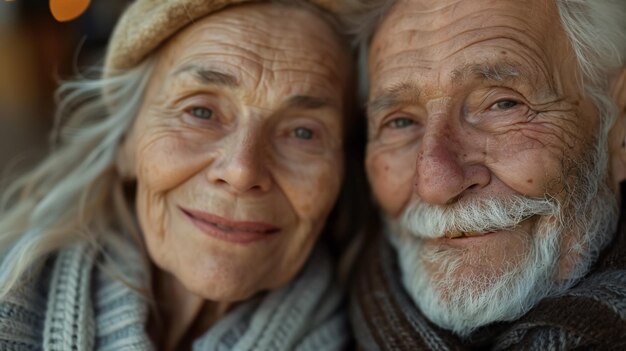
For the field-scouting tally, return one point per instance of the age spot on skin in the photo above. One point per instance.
(529, 181)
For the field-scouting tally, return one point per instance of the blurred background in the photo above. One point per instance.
(37, 51)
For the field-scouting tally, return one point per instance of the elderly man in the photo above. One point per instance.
(496, 151)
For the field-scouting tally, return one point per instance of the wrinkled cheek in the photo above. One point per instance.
(390, 177)
(529, 167)
(167, 162)
(322, 194)
(153, 219)
(535, 177)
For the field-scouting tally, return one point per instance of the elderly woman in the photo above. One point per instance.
(183, 204)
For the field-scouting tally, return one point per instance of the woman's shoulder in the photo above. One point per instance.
(71, 294)
(23, 309)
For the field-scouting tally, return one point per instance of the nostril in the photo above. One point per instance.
(256, 187)
(241, 186)
(473, 186)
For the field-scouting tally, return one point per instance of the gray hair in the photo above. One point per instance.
(61, 200)
(77, 194)
(596, 30)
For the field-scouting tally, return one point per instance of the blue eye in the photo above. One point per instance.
(303, 133)
(505, 104)
(201, 112)
(401, 122)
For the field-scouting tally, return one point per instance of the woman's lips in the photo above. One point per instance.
(228, 230)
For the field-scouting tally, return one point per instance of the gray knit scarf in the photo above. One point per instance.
(73, 304)
(589, 316)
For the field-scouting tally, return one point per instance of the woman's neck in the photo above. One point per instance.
(179, 316)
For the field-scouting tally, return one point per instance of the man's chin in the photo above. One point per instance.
(458, 289)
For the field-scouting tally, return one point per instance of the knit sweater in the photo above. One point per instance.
(75, 304)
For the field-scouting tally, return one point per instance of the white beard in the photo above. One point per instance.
(464, 302)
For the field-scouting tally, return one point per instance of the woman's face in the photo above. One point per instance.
(237, 149)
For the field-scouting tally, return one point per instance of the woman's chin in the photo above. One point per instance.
(224, 286)
(222, 295)
(232, 286)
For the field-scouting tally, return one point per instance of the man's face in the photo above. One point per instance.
(475, 105)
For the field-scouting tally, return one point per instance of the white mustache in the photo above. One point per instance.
(474, 216)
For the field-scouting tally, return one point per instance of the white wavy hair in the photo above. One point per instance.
(596, 30)
(61, 201)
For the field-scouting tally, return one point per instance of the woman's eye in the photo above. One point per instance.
(504, 105)
(401, 122)
(201, 112)
(303, 133)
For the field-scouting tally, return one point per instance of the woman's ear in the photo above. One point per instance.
(617, 134)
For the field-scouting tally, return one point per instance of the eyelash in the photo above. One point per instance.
(312, 133)
(392, 123)
(495, 104)
(193, 115)
(196, 108)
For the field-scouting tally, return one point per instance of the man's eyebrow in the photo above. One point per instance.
(306, 102)
(392, 97)
(209, 76)
(491, 72)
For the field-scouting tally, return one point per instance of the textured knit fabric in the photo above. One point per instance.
(74, 304)
(146, 24)
(589, 316)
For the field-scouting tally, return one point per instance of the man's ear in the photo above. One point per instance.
(617, 134)
(125, 159)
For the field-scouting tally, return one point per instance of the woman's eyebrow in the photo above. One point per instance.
(209, 76)
(307, 102)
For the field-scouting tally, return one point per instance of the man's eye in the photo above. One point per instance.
(400, 122)
(201, 112)
(504, 105)
(303, 133)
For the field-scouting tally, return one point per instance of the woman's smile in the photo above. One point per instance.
(240, 232)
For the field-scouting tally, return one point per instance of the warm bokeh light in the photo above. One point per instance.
(67, 10)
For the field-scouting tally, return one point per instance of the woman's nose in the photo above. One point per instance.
(243, 165)
(448, 166)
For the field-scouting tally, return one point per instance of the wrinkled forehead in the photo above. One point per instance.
(443, 35)
(253, 42)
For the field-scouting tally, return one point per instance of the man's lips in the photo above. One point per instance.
(459, 234)
(229, 230)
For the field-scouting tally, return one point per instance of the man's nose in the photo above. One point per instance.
(242, 166)
(449, 165)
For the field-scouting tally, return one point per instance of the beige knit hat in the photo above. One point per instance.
(148, 23)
